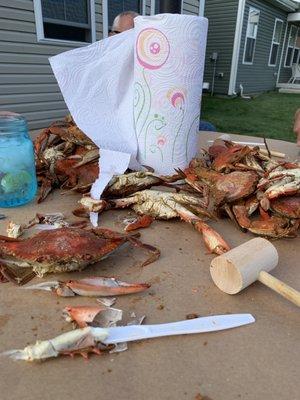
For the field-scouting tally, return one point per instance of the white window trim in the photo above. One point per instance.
(201, 8)
(152, 7)
(287, 47)
(40, 27)
(104, 19)
(273, 42)
(105, 16)
(236, 47)
(247, 62)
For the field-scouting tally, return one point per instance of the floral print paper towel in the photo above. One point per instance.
(137, 94)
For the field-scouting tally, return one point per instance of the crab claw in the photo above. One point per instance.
(98, 286)
(140, 222)
(212, 239)
(79, 340)
(90, 287)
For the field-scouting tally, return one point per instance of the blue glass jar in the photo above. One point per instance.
(18, 183)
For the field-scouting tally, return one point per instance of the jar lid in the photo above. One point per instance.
(11, 122)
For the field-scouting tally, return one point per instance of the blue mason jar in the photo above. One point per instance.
(18, 183)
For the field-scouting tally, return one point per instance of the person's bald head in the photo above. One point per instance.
(123, 22)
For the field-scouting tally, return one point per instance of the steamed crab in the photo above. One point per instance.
(167, 205)
(65, 157)
(64, 250)
(122, 185)
(224, 188)
(274, 226)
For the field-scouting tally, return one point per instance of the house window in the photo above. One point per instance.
(64, 20)
(292, 46)
(275, 42)
(115, 7)
(251, 35)
(296, 53)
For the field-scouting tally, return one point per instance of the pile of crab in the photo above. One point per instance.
(257, 192)
(260, 194)
(65, 158)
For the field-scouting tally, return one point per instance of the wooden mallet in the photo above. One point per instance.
(247, 263)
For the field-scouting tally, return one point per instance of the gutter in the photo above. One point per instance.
(286, 5)
(236, 47)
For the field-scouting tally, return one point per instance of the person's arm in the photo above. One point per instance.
(297, 126)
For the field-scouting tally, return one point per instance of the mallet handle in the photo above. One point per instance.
(280, 287)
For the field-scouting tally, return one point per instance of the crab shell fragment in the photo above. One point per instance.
(100, 316)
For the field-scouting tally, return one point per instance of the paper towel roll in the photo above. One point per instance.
(168, 73)
(137, 94)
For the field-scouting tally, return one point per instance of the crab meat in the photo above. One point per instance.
(14, 230)
(91, 287)
(67, 249)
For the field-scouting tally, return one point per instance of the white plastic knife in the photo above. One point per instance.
(198, 325)
(82, 338)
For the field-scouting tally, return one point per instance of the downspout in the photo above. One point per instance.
(282, 51)
(236, 47)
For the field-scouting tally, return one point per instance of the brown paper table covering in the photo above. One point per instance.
(259, 361)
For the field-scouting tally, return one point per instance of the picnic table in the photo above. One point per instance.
(258, 361)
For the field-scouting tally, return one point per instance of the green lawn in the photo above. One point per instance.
(270, 114)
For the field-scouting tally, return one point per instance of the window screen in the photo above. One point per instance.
(292, 46)
(275, 42)
(66, 20)
(115, 7)
(251, 35)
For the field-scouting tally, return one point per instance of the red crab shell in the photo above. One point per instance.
(65, 249)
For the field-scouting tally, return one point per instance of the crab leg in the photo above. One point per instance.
(91, 287)
(77, 341)
(153, 252)
(212, 239)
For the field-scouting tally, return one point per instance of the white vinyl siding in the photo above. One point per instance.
(274, 51)
(251, 35)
